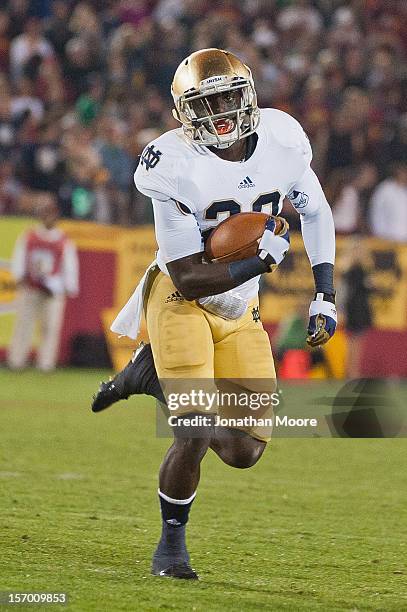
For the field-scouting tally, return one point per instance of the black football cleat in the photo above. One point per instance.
(181, 571)
(134, 379)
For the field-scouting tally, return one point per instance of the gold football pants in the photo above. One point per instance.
(189, 343)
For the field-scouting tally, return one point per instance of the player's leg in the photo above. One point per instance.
(51, 322)
(178, 483)
(28, 309)
(182, 349)
(237, 448)
(234, 447)
(244, 364)
(138, 377)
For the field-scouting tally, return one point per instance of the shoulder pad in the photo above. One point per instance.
(286, 130)
(161, 163)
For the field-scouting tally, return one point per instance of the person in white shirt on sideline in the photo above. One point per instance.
(388, 206)
(45, 267)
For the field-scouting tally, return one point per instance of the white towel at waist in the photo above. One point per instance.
(128, 321)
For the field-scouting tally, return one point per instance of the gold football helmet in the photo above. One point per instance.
(214, 98)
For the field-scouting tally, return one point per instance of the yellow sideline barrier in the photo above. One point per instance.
(287, 290)
(135, 250)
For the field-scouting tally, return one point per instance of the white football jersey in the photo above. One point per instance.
(193, 189)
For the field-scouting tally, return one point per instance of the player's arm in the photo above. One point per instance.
(181, 248)
(318, 233)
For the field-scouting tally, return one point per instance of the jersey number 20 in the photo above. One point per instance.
(233, 207)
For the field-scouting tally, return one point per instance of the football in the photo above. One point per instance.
(238, 237)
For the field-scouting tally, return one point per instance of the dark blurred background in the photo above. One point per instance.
(85, 85)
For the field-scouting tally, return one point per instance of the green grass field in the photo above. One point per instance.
(318, 524)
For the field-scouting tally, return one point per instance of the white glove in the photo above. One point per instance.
(227, 305)
(273, 247)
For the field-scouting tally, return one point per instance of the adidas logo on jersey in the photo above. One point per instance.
(174, 297)
(246, 183)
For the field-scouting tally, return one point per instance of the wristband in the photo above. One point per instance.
(324, 278)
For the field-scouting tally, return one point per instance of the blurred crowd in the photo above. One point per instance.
(84, 85)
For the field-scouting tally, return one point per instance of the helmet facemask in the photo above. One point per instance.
(220, 112)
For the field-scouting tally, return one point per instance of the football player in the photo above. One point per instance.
(227, 157)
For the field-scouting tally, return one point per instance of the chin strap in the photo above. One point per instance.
(226, 145)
